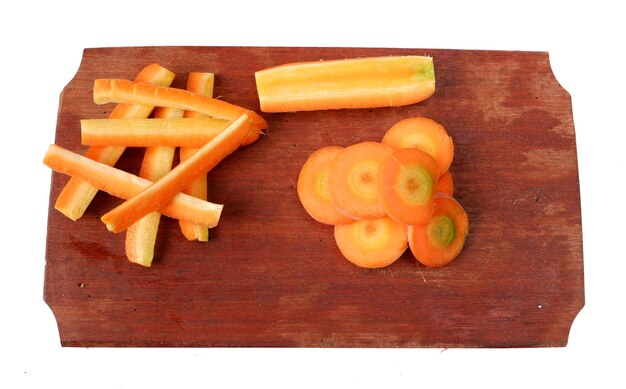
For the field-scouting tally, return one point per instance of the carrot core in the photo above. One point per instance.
(441, 231)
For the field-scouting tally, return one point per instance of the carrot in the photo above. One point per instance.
(172, 131)
(372, 243)
(121, 184)
(352, 178)
(313, 189)
(200, 83)
(124, 91)
(78, 194)
(346, 83)
(441, 239)
(162, 191)
(424, 134)
(406, 185)
(445, 184)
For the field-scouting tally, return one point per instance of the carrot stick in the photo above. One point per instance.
(202, 84)
(162, 191)
(124, 91)
(172, 131)
(78, 194)
(121, 184)
(157, 162)
(348, 83)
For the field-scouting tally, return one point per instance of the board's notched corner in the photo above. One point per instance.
(551, 72)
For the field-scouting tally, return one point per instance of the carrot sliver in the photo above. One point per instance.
(441, 239)
(313, 187)
(352, 178)
(346, 83)
(372, 243)
(424, 134)
(161, 192)
(445, 184)
(124, 185)
(167, 131)
(78, 194)
(406, 185)
(125, 91)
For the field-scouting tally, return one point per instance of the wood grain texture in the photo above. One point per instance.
(272, 276)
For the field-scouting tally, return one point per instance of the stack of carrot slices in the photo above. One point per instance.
(384, 196)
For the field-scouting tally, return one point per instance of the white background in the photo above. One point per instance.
(41, 48)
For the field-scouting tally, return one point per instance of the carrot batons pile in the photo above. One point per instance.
(206, 129)
(384, 197)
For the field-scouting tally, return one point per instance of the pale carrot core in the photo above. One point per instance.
(441, 231)
(362, 179)
(415, 185)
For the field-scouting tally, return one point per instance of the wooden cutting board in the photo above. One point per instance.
(271, 276)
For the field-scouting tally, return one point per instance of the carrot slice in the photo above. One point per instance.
(406, 185)
(78, 194)
(424, 134)
(313, 189)
(162, 191)
(170, 131)
(445, 184)
(441, 239)
(353, 180)
(124, 91)
(346, 83)
(124, 185)
(200, 83)
(372, 243)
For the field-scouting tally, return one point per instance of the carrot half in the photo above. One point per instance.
(346, 83)
(172, 131)
(313, 187)
(200, 83)
(124, 185)
(372, 243)
(424, 134)
(78, 194)
(441, 239)
(124, 91)
(162, 191)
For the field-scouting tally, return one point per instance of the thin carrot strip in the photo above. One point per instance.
(162, 191)
(124, 91)
(121, 184)
(157, 162)
(78, 194)
(171, 131)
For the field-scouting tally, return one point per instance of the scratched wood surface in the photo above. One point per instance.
(271, 276)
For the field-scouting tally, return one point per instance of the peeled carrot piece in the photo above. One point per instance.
(346, 83)
(441, 239)
(170, 131)
(124, 185)
(313, 187)
(124, 91)
(424, 134)
(445, 184)
(353, 180)
(372, 243)
(77, 194)
(406, 185)
(161, 192)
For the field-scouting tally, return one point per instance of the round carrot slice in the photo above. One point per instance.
(441, 239)
(445, 184)
(424, 134)
(406, 184)
(313, 187)
(353, 177)
(372, 243)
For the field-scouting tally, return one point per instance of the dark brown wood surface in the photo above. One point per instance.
(271, 276)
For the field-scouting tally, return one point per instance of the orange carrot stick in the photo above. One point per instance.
(162, 191)
(157, 162)
(170, 131)
(348, 83)
(124, 185)
(77, 194)
(124, 91)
